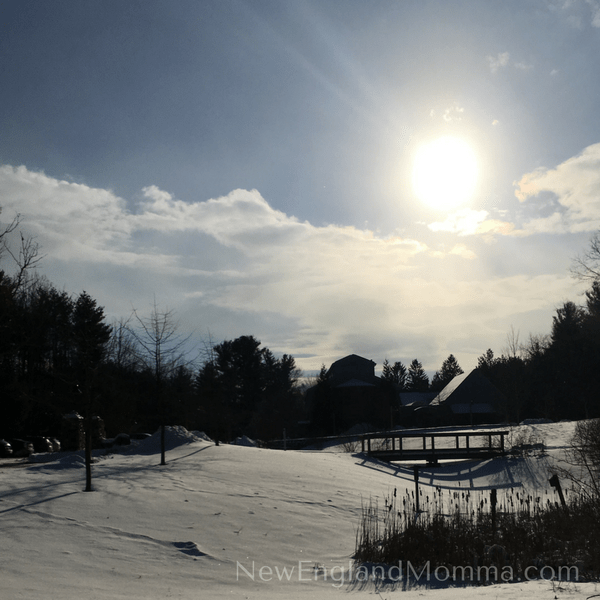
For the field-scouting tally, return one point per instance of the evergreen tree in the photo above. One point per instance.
(486, 361)
(567, 324)
(567, 395)
(450, 369)
(322, 407)
(386, 371)
(592, 300)
(251, 391)
(395, 373)
(417, 380)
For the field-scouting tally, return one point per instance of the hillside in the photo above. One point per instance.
(204, 524)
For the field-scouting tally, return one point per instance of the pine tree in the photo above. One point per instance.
(450, 369)
(417, 380)
(395, 373)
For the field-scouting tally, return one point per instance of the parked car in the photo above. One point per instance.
(55, 444)
(40, 443)
(21, 447)
(5, 449)
(122, 439)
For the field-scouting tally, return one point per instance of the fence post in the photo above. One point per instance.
(416, 474)
(493, 502)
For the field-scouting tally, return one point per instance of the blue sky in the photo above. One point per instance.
(249, 164)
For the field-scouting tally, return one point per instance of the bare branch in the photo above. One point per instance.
(586, 266)
(162, 348)
(514, 348)
(26, 257)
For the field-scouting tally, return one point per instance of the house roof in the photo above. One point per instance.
(353, 359)
(352, 368)
(471, 392)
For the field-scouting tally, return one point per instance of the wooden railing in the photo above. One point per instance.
(434, 446)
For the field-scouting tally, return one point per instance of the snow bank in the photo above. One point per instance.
(202, 436)
(175, 436)
(244, 440)
(230, 522)
(59, 460)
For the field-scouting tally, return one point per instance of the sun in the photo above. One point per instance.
(445, 173)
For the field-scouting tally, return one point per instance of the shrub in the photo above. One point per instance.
(459, 529)
(584, 455)
(523, 442)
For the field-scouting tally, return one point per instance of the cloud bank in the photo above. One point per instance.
(574, 188)
(234, 265)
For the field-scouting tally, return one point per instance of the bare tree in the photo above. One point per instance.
(161, 350)
(586, 266)
(25, 256)
(583, 458)
(122, 348)
(513, 347)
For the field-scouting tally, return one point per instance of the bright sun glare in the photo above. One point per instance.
(445, 173)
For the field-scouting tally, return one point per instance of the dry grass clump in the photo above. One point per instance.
(462, 528)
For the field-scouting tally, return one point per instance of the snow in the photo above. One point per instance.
(227, 521)
(244, 440)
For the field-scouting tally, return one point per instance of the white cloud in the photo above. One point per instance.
(463, 251)
(502, 60)
(521, 66)
(453, 113)
(235, 265)
(576, 16)
(595, 8)
(472, 222)
(576, 186)
(498, 62)
(65, 215)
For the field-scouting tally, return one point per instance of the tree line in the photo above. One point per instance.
(59, 355)
(415, 379)
(554, 376)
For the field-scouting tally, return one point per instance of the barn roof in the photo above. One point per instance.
(471, 392)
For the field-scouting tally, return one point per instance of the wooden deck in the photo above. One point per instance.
(433, 446)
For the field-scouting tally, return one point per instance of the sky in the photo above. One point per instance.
(249, 165)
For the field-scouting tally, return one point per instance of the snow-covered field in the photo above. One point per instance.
(226, 522)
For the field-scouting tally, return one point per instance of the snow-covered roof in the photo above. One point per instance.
(470, 390)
